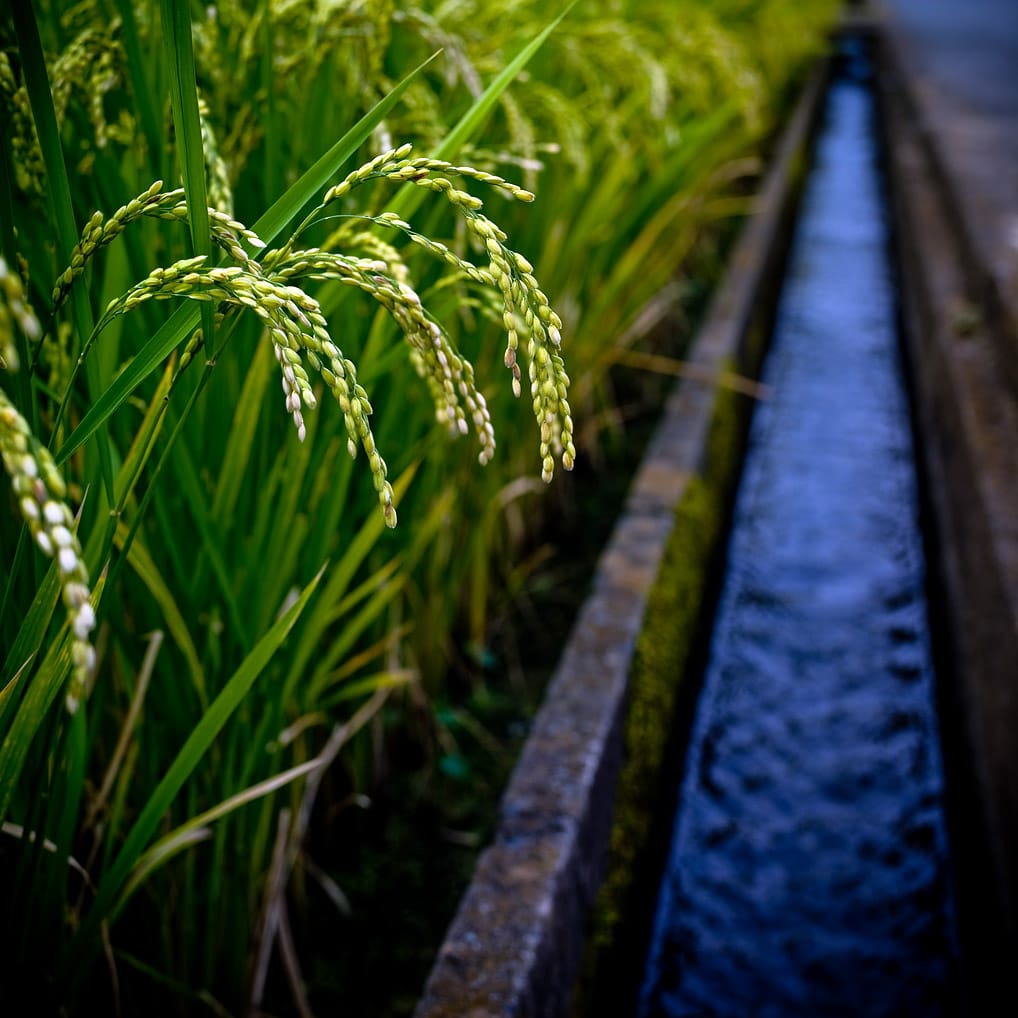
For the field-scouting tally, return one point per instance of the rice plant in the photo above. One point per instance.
(205, 604)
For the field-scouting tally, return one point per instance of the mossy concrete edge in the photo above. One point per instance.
(515, 946)
(662, 680)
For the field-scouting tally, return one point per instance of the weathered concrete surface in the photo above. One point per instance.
(515, 945)
(960, 58)
(952, 179)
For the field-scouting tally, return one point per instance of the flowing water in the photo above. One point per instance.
(808, 871)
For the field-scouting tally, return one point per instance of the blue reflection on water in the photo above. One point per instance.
(808, 871)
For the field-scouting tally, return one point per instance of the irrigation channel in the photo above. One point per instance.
(808, 873)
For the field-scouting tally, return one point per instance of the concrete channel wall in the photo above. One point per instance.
(961, 348)
(515, 946)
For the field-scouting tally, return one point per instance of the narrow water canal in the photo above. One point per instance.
(808, 872)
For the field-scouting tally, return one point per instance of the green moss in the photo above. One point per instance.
(659, 670)
(660, 655)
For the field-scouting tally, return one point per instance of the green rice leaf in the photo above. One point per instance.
(108, 898)
(136, 62)
(410, 197)
(471, 121)
(39, 696)
(144, 440)
(41, 99)
(33, 629)
(392, 678)
(196, 829)
(237, 462)
(183, 321)
(144, 566)
(179, 51)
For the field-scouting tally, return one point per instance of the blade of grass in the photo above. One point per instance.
(474, 117)
(340, 577)
(41, 691)
(272, 152)
(183, 321)
(130, 471)
(67, 805)
(237, 460)
(22, 549)
(409, 197)
(144, 440)
(108, 897)
(185, 835)
(147, 571)
(8, 245)
(186, 474)
(389, 679)
(58, 186)
(178, 48)
(347, 637)
(9, 250)
(9, 694)
(33, 629)
(380, 590)
(39, 696)
(139, 77)
(127, 731)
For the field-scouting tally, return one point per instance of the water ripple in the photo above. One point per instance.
(808, 871)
